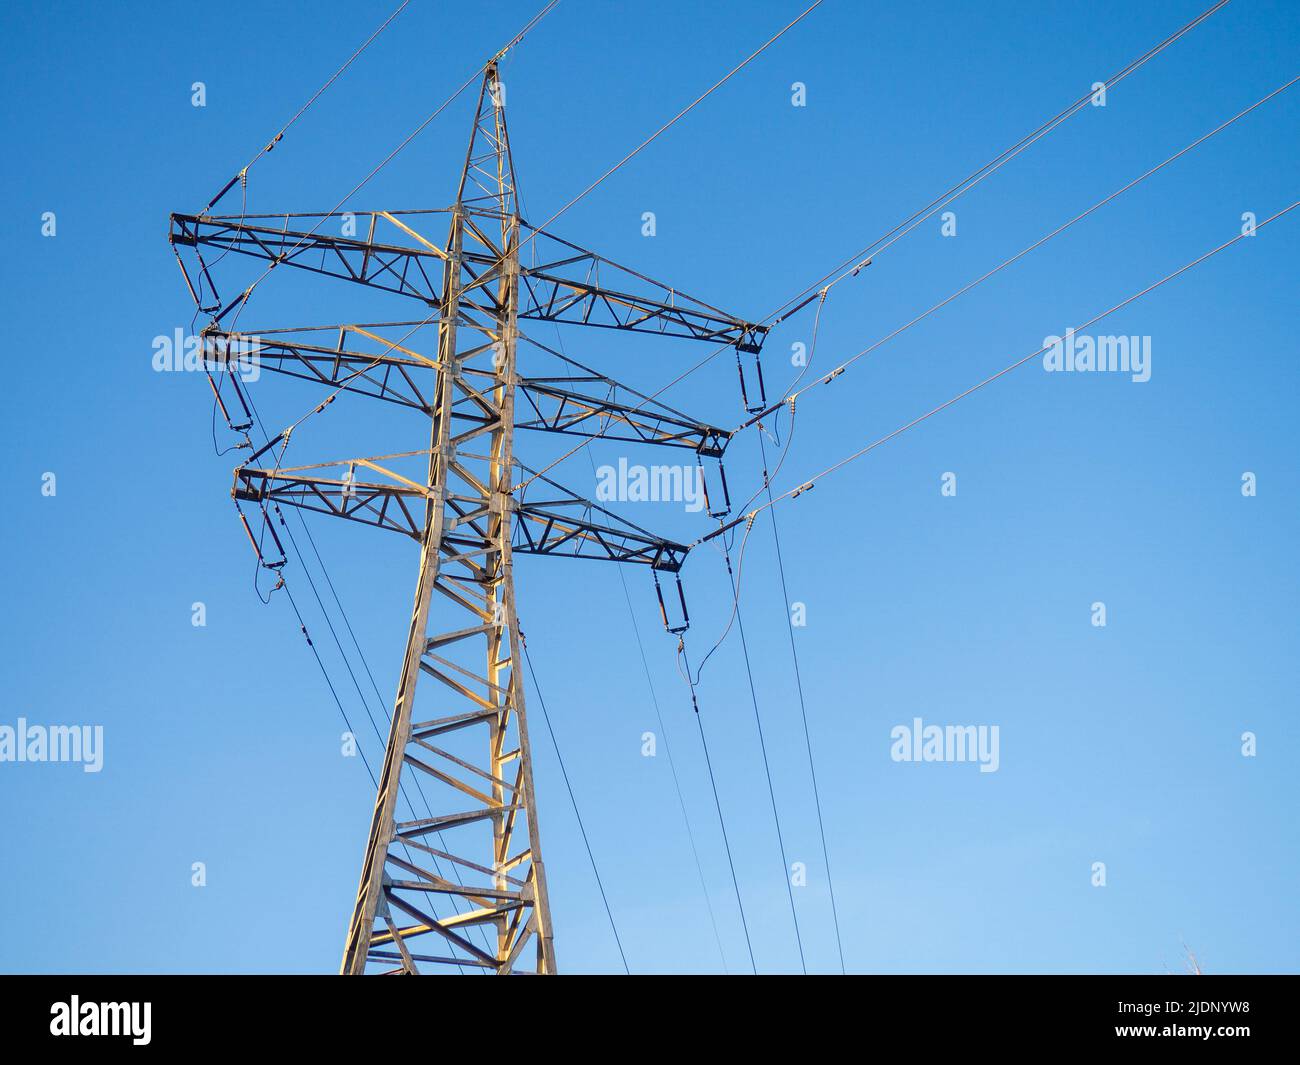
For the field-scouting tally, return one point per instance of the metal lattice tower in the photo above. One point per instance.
(459, 726)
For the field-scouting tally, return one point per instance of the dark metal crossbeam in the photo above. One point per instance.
(565, 283)
(403, 269)
(545, 404)
(562, 523)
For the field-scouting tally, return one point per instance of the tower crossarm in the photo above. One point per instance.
(555, 409)
(392, 255)
(565, 283)
(395, 373)
(554, 522)
(562, 282)
(565, 403)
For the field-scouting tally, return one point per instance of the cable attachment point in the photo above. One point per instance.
(808, 487)
(675, 630)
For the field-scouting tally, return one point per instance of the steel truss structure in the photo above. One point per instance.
(464, 744)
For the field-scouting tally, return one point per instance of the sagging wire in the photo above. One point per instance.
(767, 768)
(812, 346)
(663, 728)
(682, 659)
(803, 712)
(573, 799)
(735, 599)
(677, 630)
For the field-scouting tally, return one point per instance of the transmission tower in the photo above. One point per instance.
(464, 744)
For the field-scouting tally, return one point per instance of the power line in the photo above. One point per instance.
(686, 110)
(516, 39)
(767, 769)
(654, 699)
(717, 802)
(270, 145)
(328, 683)
(574, 800)
(242, 175)
(293, 543)
(533, 230)
(767, 478)
(794, 393)
(748, 518)
(803, 712)
(672, 766)
(906, 225)
(810, 483)
(964, 186)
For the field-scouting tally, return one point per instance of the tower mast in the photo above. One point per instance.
(469, 490)
(458, 738)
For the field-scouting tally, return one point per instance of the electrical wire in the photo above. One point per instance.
(805, 486)
(518, 37)
(795, 392)
(533, 230)
(677, 784)
(803, 713)
(683, 112)
(767, 770)
(964, 186)
(293, 543)
(717, 802)
(663, 729)
(541, 701)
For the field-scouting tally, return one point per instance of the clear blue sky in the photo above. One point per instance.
(1118, 744)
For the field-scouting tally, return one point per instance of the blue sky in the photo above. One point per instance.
(1119, 744)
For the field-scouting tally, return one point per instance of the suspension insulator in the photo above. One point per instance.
(685, 623)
